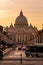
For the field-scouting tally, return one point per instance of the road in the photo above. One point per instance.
(13, 58)
(15, 54)
(23, 62)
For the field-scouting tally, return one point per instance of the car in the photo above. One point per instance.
(27, 53)
(23, 48)
(19, 48)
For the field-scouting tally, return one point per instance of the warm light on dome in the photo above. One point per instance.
(21, 21)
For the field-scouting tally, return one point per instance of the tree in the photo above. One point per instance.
(3, 43)
(1, 28)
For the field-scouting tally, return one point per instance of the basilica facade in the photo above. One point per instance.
(21, 33)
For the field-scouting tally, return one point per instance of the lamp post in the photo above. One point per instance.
(21, 58)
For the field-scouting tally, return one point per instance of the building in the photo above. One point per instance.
(40, 36)
(4, 38)
(21, 33)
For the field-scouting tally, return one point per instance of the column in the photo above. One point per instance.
(19, 38)
(16, 38)
(24, 38)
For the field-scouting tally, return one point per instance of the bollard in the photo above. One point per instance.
(21, 58)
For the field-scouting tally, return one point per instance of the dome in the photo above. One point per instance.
(21, 21)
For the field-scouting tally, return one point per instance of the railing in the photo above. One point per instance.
(7, 50)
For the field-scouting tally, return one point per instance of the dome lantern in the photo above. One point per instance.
(21, 13)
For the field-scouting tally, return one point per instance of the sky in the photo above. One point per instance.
(32, 9)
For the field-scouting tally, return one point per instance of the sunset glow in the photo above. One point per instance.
(32, 9)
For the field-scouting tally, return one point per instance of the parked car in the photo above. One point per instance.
(23, 48)
(27, 53)
(19, 48)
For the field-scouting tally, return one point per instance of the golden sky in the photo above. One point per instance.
(32, 9)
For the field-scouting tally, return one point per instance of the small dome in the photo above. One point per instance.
(21, 21)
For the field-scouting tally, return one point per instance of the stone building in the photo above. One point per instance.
(21, 33)
(40, 36)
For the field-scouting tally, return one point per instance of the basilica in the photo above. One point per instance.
(22, 33)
